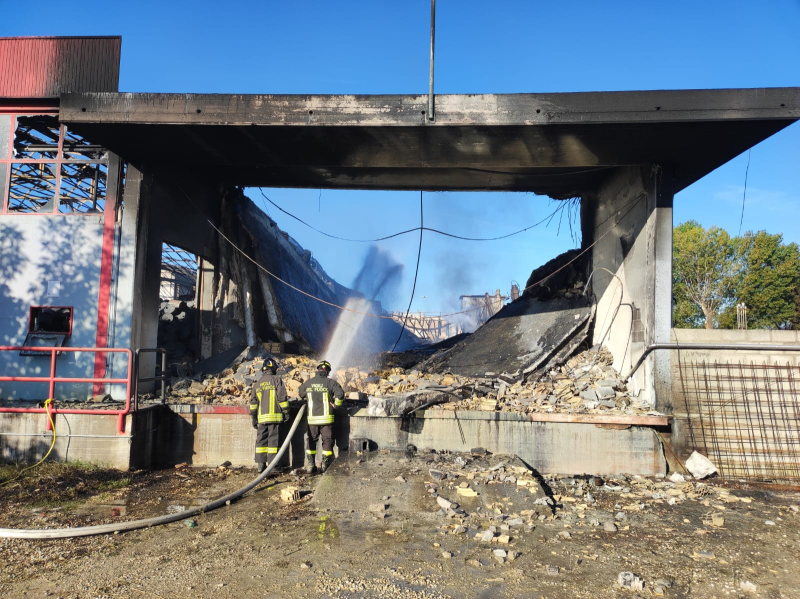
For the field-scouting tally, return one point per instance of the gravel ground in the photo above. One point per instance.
(716, 541)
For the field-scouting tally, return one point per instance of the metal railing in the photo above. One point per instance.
(53, 379)
(152, 379)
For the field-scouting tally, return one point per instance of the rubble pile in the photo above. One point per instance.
(232, 384)
(586, 384)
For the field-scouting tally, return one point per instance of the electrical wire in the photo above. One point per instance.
(632, 205)
(431, 230)
(744, 193)
(52, 445)
(416, 272)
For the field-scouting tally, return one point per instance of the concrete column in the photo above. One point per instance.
(205, 306)
(140, 189)
(659, 326)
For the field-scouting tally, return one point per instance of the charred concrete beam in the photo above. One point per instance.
(562, 145)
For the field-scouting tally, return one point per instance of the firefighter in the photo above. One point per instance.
(318, 392)
(269, 407)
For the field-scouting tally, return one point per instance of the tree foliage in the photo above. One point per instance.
(712, 272)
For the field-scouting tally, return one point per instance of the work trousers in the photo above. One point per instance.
(267, 442)
(314, 432)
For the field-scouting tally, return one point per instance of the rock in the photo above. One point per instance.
(700, 466)
(487, 537)
(698, 555)
(478, 451)
(436, 474)
(378, 507)
(628, 580)
(677, 477)
(445, 504)
(609, 526)
(589, 395)
(747, 587)
(446, 554)
(769, 523)
(400, 479)
(605, 393)
(504, 539)
(466, 492)
(552, 570)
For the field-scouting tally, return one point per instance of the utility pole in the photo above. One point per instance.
(430, 82)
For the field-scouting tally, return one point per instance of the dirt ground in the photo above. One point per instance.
(372, 527)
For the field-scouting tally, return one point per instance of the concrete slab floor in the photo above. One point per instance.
(714, 542)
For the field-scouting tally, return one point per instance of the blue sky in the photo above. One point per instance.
(481, 47)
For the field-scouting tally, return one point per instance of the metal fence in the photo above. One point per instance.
(744, 416)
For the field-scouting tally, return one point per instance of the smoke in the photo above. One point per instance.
(457, 277)
(380, 275)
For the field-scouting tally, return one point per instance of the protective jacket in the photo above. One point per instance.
(269, 403)
(318, 392)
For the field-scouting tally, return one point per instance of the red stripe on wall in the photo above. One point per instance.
(104, 296)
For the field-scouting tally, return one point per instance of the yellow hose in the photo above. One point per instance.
(52, 444)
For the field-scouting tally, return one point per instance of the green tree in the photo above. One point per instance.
(704, 271)
(766, 282)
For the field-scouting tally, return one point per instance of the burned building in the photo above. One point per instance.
(93, 182)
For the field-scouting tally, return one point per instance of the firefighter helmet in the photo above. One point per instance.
(324, 368)
(269, 365)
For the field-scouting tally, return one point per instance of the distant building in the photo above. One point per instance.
(484, 306)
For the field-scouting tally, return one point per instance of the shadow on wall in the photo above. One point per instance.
(35, 250)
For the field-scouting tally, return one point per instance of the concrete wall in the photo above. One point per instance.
(36, 249)
(79, 437)
(630, 222)
(195, 435)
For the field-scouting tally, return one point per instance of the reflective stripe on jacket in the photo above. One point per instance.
(318, 391)
(269, 401)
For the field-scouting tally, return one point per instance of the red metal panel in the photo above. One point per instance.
(46, 67)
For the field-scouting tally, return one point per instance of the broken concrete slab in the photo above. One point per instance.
(523, 337)
(400, 404)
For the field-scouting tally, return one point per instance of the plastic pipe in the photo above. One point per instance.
(101, 529)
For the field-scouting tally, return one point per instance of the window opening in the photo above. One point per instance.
(83, 188)
(36, 137)
(49, 163)
(32, 187)
(48, 326)
(178, 273)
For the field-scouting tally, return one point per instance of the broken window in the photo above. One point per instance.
(83, 188)
(32, 187)
(48, 326)
(49, 163)
(36, 137)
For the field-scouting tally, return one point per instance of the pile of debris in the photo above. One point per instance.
(587, 383)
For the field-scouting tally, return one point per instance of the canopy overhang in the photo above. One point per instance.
(562, 145)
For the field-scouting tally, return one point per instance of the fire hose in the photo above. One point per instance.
(86, 531)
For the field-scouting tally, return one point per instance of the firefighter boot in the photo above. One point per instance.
(311, 466)
(326, 462)
(261, 467)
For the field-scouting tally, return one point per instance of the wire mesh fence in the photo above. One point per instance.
(745, 417)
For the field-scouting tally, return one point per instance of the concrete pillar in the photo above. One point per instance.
(629, 223)
(205, 306)
(140, 189)
(659, 326)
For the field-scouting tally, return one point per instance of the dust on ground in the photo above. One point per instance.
(389, 524)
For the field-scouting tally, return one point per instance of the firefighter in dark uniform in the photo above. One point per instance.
(269, 407)
(323, 396)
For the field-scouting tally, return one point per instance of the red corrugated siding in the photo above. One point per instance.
(45, 67)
